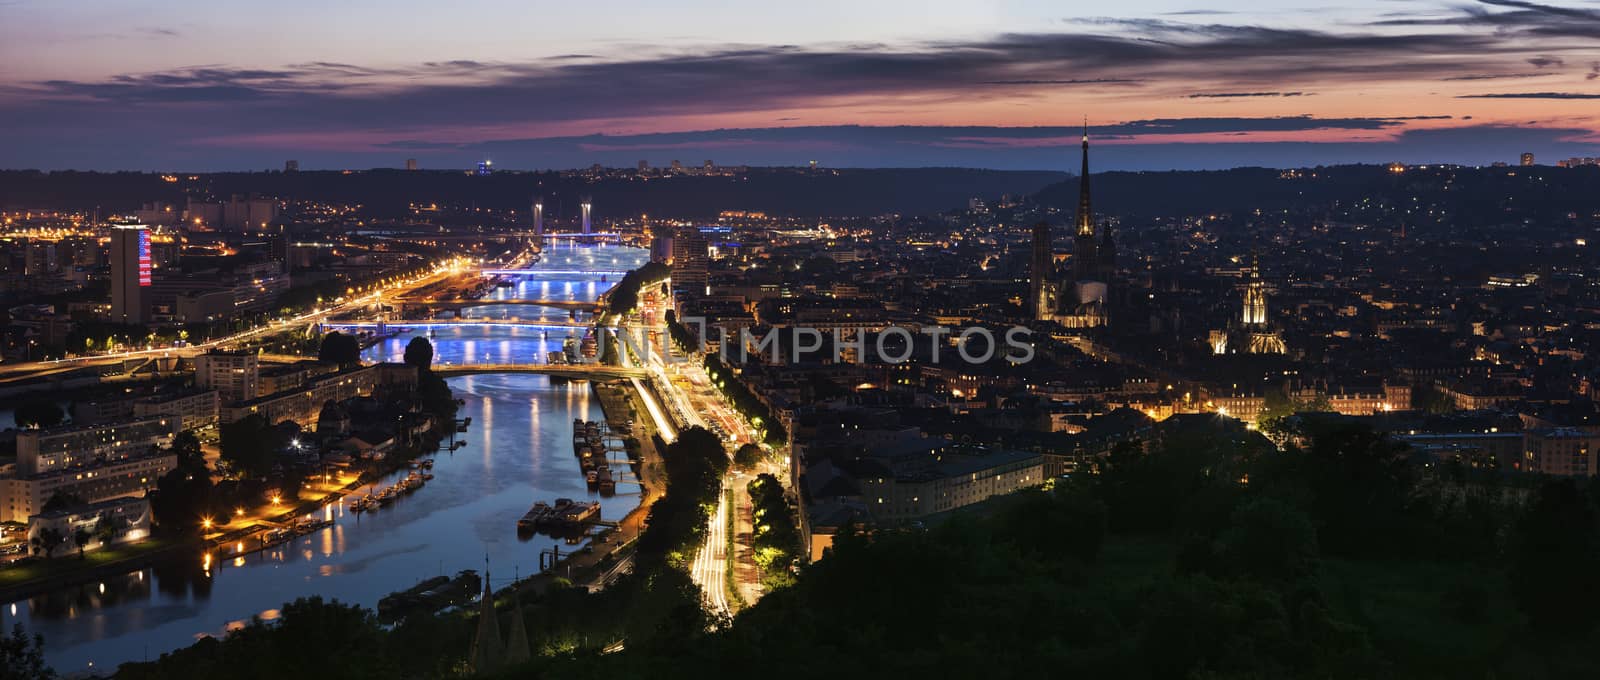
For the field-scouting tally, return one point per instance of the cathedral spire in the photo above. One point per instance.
(488, 652)
(1085, 213)
(1255, 295)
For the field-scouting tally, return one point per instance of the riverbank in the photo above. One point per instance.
(42, 576)
(590, 565)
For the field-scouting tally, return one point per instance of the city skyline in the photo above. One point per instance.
(1169, 85)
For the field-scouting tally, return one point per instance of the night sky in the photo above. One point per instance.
(238, 85)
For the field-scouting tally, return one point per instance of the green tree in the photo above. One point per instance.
(1556, 553)
(107, 529)
(250, 445)
(1270, 542)
(436, 398)
(1065, 524)
(419, 353)
(82, 536)
(43, 413)
(747, 457)
(61, 500)
(182, 497)
(338, 348)
(22, 657)
(776, 538)
(48, 540)
(313, 638)
(694, 466)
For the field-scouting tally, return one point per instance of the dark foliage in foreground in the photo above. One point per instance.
(1244, 562)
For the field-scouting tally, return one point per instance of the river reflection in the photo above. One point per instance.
(518, 451)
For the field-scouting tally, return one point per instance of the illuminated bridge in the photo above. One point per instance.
(578, 305)
(601, 371)
(579, 371)
(457, 323)
(554, 272)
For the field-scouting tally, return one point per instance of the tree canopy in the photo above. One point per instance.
(38, 413)
(338, 348)
(419, 353)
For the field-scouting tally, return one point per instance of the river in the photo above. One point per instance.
(519, 449)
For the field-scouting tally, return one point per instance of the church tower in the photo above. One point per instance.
(1255, 296)
(1108, 255)
(1042, 268)
(1085, 253)
(1263, 339)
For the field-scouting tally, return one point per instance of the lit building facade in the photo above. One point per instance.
(94, 463)
(131, 268)
(236, 376)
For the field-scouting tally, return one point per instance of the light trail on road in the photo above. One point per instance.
(711, 564)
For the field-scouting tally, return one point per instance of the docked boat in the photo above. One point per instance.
(551, 518)
(430, 596)
(306, 526)
(578, 514)
(534, 517)
(605, 481)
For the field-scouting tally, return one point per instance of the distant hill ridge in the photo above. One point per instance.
(788, 192)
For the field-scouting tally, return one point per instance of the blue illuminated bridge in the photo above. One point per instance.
(555, 272)
(457, 323)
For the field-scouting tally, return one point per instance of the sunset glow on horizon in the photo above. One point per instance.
(890, 84)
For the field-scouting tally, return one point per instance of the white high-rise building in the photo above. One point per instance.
(236, 376)
(588, 206)
(130, 274)
(538, 216)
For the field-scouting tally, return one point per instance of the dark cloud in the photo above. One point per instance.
(317, 95)
(976, 136)
(1541, 62)
(218, 110)
(1498, 76)
(1532, 95)
(1087, 81)
(1236, 95)
(1140, 145)
(1520, 19)
(1556, 11)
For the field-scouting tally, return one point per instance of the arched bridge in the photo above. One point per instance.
(575, 371)
(453, 323)
(553, 272)
(462, 303)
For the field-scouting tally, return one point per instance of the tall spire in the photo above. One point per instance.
(488, 652)
(517, 642)
(1085, 213)
(1255, 295)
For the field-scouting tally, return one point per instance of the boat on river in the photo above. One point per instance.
(534, 517)
(429, 596)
